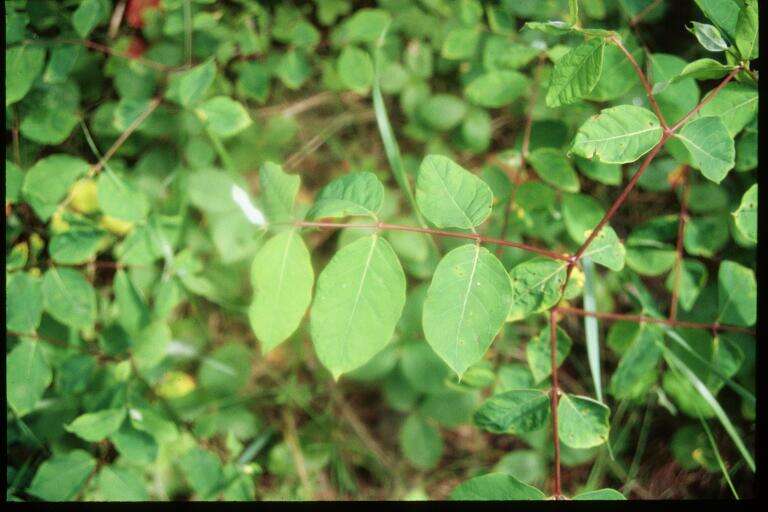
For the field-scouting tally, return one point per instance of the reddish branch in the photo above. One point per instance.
(439, 232)
(684, 185)
(716, 327)
(554, 398)
(643, 79)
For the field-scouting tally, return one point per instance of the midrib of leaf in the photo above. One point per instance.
(279, 292)
(448, 193)
(550, 276)
(734, 107)
(625, 135)
(581, 417)
(345, 339)
(76, 304)
(466, 300)
(682, 137)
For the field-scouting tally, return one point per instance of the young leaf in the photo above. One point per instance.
(28, 375)
(638, 367)
(583, 421)
(496, 88)
(87, 16)
(360, 295)
(606, 249)
(355, 69)
(693, 278)
(600, 494)
(62, 477)
(747, 27)
(358, 193)
(554, 168)
(710, 145)
(194, 83)
(538, 352)
(709, 36)
(536, 286)
(737, 294)
(69, 298)
(421, 442)
(517, 411)
(466, 305)
(95, 426)
(703, 69)
(24, 302)
(495, 487)
(618, 135)
(23, 64)
(723, 13)
(282, 278)
(223, 116)
(449, 196)
(576, 73)
(745, 215)
(278, 191)
(47, 182)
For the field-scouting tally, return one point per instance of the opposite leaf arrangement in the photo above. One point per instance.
(450, 268)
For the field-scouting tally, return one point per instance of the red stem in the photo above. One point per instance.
(439, 232)
(685, 189)
(554, 398)
(716, 327)
(643, 79)
(706, 100)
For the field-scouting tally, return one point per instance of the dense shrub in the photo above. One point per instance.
(522, 232)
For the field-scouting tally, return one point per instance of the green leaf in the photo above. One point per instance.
(693, 278)
(360, 295)
(606, 249)
(580, 214)
(23, 65)
(449, 196)
(538, 352)
(63, 476)
(536, 286)
(227, 370)
(47, 182)
(706, 235)
(600, 494)
(282, 278)
(358, 193)
(69, 298)
(60, 65)
(293, 69)
(735, 105)
(500, 53)
(747, 27)
(618, 135)
(203, 471)
(52, 114)
(460, 43)
(496, 88)
(517, 411)
(466, 305)
(364, 26)
(278, 191)
(424, 370)
(24, 302)
(703, 69)
(583, 421)
(14, 178)
(576, 73)
(133, 310)
(607, 174)
(194, 84)
(87, 16)
(745, 215)
(638, 368)
(120, 199)
(442, 112)
(223, 116)
(710, 145)
(495, 487)
(554, 168)
(737, 294)
(121, 484)
(75, 246)
(355, 69)
(723, 13)
(618, 77)
(27, 376)
(420, 442)
(95, 426)
(708, 36)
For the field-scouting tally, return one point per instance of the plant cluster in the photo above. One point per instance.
(218, 290)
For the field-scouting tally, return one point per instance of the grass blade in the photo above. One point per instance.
(591, 328)
(718, 457)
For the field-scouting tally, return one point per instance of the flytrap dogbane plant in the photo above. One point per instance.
(360, 294)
